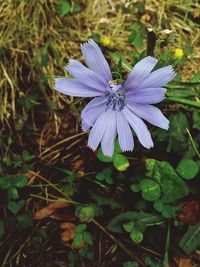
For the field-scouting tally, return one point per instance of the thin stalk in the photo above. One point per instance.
(124, 248)
(61, 142)
(183, 101)
(193, 143)
(166, 257)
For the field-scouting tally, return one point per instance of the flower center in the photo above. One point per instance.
(115, 97)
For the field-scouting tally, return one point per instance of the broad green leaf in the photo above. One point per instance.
(136, 235)
(187, 168)
(6, 181)
(135, 188)
(138, 40)
(191, 240)
(150, 189)
(25, 220)
(120, 162)
(20, 181)
(2, 228)
(166, 210)
(68, 189)
(128, 227)
(63, 7)
(103, 158)
(78, 240)
(87, 238)
(27, 156)
(14, 207)
(172, 186)
(117, 147)
(12, 193)
(87, 213)
(81, 228)
(178, 125)
(104, 174)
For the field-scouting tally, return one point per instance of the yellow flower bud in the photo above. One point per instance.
(146, 17)
(105, 41)
(178, 53)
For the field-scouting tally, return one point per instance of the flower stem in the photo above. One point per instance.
(183, 101)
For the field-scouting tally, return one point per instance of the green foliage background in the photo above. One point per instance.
(118, 204)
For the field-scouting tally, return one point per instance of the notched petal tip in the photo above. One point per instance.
(153, 59)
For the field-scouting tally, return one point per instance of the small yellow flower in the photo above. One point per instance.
(105, 40)
(178, 53)
(146, 17)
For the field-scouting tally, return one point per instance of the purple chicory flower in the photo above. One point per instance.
(117, 108)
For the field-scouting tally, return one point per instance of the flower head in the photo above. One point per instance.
(178, 53)
(117, 108)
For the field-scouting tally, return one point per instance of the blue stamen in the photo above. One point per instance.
(115, 97)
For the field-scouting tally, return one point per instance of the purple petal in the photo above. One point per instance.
(147, 95)
(139, 128)
(107, 143)
(96, 60)
(150, 113)
(125, 135)
(92, 111)
(139, 72)
(85, 75)
(97, 132)
(72, 87)
(158, 78)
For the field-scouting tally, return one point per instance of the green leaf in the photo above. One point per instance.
(6, 181)
(191, 240)
(25, 220)
(138, 41)
(76, 8)
(105, 175)
(181, 92)
(146, 219)
(14, 207)
(196, 119)
(120, 162)
(116, 57)
(81, 228)
(103, 200)
(136, 235)
(20, 181)
(117, 147)
(103, 158)
(173, 187)
(87, 237)
(63, 7)
(166, 210)
(150, 189)
(27, 156)
(87, 213)
(2, 228)
(12, 193)
(135, 188)
(128, 227)
(68, 190)
(187, 168)
(78, 240)
(178, 125)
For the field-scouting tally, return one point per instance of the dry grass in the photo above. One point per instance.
(27, 28)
